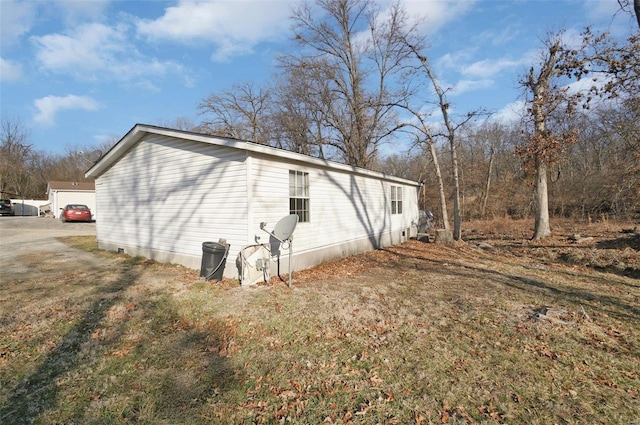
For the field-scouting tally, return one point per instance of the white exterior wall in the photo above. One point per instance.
(349, 213)
(27, 206)
(166, 196)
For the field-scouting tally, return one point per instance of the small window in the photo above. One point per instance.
(396, 200)
(299, 195)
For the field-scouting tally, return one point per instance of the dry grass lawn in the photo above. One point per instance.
(495, 329)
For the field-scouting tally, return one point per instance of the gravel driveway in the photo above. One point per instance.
(22, 237)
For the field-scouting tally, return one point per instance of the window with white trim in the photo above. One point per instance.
(299, 195)
(396, 199)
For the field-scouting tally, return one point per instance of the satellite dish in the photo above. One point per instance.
(285, 227)
(254, 261)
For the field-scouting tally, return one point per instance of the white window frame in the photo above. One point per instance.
(396, 199)
(299, 202)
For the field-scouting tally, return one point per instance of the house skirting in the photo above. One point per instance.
(300, 260)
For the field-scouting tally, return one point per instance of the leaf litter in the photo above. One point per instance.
(495, 329)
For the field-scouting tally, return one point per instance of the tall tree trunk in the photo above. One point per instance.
(457, 221)
(542, 228)
(487, 187)
(451, 130)
(443, 196)
(542, 141)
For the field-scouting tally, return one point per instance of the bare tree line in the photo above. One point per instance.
(597, 177)
(361, 78)
(25, 171)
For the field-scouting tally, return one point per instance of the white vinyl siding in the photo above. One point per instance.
(269, 194)
(171, 195)
(161, 193)
(346, 207)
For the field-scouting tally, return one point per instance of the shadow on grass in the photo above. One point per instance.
(601, 300)
(632, 242)
(602, 256)
(38, 392)
(187, 365)
(172, 394)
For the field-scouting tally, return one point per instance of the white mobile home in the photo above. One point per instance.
(161, 193)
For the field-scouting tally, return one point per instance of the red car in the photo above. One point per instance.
(75, 212)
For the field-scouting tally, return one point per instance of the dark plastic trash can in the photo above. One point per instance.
(214, 255)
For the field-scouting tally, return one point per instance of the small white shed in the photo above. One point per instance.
(62, 193)
(161, 193)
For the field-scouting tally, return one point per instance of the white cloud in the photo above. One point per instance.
(490, 68)
(49, 106)
(453, 60)
(16, 20)
(500, 35)
(9, 70)
(95, 51)
(511, 113)
(84, 51)
(234, 28)
(481, 74)
(464, 86)
(437, 13)
(74, 12)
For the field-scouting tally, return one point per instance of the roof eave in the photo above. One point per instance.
(128, 140)
(140, 130)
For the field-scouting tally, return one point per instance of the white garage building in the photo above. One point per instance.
(62, 193)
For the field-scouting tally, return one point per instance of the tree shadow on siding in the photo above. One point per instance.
(170, 213)
(364, 211)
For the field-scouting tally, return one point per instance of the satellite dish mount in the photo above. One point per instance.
(283, 233)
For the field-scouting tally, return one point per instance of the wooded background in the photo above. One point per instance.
(342, 99)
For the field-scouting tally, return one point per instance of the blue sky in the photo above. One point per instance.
(75, 73)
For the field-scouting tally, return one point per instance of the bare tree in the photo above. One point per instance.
(110, 141)
(15, 153)
(299, 112)
(405, 165)
(491, 137)
(240, 112)
(543, 146)
(615, 158)
(41, 166)
(354, 56)
(613, 67)
(448, 131)
(424, 136)
(615, 73)
(179, 123)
